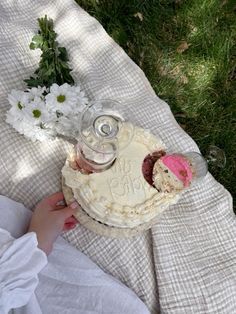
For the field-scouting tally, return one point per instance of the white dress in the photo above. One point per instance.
(65, 282)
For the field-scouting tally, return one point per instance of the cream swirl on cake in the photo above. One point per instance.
(120, 196)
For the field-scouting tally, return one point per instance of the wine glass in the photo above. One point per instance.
(104, 130)
(187, 168)
(198, 165)
(215, 157)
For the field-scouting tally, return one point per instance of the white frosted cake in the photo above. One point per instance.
(172, 173)
(164, 179)
(120, 196)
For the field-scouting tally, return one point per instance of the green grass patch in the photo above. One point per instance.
(187, 51)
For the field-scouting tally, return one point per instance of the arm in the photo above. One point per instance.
(20, 262)
(22, 259)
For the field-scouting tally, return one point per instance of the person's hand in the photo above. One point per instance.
(50, 218)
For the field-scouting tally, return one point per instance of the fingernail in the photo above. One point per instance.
(61, 203)
(74, 205)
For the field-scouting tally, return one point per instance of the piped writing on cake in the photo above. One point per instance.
(124, 184)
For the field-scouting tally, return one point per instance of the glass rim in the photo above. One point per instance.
(110, 112)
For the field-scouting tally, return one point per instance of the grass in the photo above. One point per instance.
(187, 51)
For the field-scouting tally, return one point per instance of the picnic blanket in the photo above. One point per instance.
(187, 262)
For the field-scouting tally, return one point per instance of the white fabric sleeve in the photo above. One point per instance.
(20, 262)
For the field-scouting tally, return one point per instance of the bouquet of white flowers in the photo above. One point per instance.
(52, 104)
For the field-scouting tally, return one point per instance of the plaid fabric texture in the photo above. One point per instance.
(186, 262)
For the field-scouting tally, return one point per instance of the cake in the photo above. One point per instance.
(121, 196)
(172, 173)
(148, 165)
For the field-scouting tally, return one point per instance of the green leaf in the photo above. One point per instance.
(37, 40)
(32, 46)
(53, 67)
(63, 54)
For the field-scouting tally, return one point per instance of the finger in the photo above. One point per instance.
(53, 199)
(59, 207)
(69, 226)
(71, 219)
(69, 211)
(61, 203)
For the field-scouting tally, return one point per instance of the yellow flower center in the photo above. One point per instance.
(61, 98)
(36, 113)
(19, 105)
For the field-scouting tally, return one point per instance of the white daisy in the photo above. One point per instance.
(35, 132)
(19, 101)
(82, 100)
(61, 98)
(36, 112)
(32, 131)
(11, 118)
(41, 117)
(40, 133)
(36, 92)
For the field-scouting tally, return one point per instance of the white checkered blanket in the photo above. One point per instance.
(187, 262)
